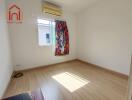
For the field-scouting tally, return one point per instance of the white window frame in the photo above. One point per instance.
(51, 33)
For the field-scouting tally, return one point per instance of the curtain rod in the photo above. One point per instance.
(60, 19)
(55, 18)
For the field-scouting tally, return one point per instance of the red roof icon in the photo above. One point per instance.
(14, 6)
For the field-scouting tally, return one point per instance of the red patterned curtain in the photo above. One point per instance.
(62, 38)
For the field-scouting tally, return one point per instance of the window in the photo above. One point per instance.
(46, 29)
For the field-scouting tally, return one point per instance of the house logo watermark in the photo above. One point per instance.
(14, 14)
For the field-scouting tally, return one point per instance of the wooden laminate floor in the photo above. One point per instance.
(73, 80)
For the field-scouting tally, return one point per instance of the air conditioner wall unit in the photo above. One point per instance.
(52, 9)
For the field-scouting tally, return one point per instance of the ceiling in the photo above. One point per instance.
(73, 5)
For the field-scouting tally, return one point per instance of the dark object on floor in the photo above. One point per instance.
(24, 96)
(18, 75)
(34, 95)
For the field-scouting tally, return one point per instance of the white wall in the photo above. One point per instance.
(24, 38)
(105, 34)
(5, 56)
(130, 84)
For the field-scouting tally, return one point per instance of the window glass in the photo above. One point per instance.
(46, 32)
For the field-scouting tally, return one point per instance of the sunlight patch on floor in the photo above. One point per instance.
(70, 81)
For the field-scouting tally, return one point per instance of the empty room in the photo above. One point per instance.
(65, 49)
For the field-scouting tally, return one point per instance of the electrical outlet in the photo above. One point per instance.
(18, 65)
